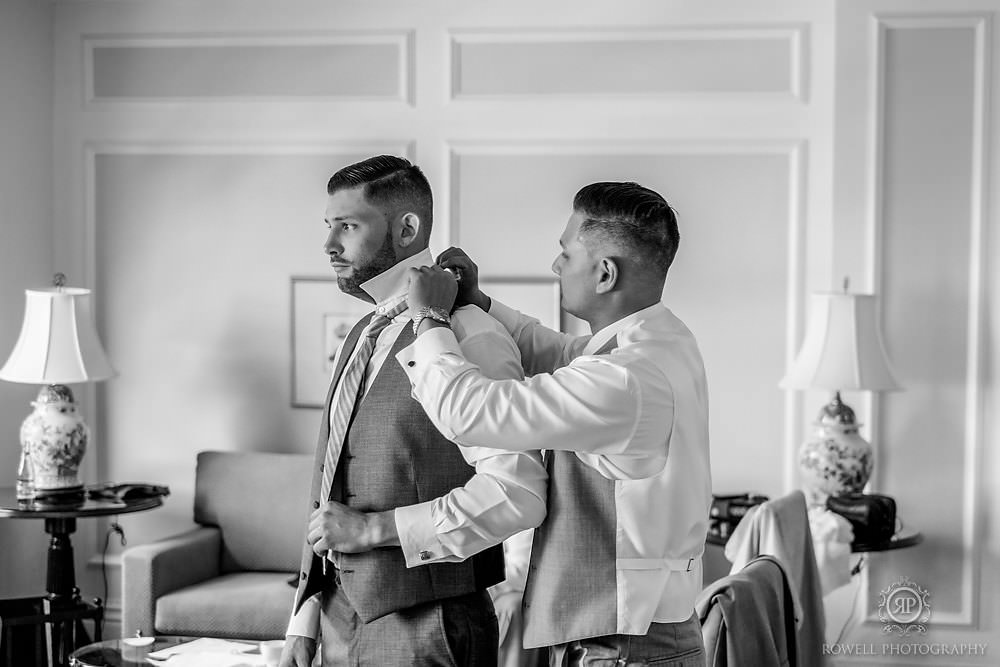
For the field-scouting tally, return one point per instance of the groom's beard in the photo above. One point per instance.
(383, 259)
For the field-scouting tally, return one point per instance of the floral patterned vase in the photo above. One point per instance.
(836, 460)
(56, 438)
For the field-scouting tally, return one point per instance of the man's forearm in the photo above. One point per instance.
(382, 529)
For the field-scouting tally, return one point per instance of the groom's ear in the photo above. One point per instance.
(607, 275)
(407, 229)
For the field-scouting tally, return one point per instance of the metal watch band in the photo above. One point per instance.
(436, 314)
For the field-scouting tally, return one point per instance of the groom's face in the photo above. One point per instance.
(359, 242)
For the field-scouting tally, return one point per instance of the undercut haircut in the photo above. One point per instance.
(636, 220)
(392, 184)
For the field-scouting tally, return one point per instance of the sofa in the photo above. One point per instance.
(232, 575)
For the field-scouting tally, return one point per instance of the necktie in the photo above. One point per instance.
(350, 394)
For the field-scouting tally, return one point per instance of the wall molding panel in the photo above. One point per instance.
(198, 68)
(93, 150)
(883, 127)
(766, 63)
(788, 251)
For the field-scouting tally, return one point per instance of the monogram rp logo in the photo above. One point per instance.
(904, 607)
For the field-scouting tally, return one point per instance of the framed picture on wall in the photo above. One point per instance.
(537, 297)
(321, 318)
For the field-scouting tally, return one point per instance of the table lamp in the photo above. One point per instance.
(842, 350)
(58, 345)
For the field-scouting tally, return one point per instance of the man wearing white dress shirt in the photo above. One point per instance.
(616, 565)
(358, 588)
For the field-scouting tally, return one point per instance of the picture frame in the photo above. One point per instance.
(321, 317)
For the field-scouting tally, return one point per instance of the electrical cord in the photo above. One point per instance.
(115, 527)
(854, 600)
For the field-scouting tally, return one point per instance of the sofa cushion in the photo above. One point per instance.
(249, 605)
(258, 500)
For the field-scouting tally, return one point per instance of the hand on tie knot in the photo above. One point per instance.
(431, 286)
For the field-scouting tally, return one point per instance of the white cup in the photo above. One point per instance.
(271, 650)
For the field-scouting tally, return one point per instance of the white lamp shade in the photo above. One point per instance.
(58, 342)
(843, 347)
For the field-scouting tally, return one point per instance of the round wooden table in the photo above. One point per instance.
(60, 611)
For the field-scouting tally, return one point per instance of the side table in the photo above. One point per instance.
(59, 614)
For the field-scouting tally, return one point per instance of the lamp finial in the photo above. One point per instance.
(59, 280)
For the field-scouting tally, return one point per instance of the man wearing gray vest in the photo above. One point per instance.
(378, 451)
(623, 414)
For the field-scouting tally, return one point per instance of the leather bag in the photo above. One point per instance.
(871, 515)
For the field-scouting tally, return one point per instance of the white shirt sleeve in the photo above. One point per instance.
(542, 349)
(505, 496)
(516, 557)
(305, 623)
(590, 407)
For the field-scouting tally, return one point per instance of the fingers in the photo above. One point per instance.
(452, 254)
(316, 535)
(320, 547)
(455, 258)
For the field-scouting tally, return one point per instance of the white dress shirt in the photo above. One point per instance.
(507, 492)
(639, 416)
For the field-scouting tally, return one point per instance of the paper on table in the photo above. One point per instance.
(203, 645)
(211, 659)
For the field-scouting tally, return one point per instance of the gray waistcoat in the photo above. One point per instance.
(393, 457)
(571, 588)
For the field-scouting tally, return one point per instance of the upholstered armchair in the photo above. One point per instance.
(228, 576)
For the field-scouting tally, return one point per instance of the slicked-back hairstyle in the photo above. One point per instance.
(390, 183)
(636, 219)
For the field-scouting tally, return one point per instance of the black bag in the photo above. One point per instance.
(872, 516)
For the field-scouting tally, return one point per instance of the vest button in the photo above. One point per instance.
(315, 504)
(425, 555)
(303, 575)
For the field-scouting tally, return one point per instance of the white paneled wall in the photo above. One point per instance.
(918, 164)
(193, 142)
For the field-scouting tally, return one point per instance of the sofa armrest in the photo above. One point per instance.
(158, 568)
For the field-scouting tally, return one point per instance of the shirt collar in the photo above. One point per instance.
(598, 340)
(390, 286)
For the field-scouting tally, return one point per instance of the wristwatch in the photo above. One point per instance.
(433, 312)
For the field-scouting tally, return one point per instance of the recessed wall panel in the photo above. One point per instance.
(194, 253)
(207, 69)
(928, 163)
(728, 281)
(639, 63)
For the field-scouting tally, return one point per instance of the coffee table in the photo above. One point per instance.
(116, 653)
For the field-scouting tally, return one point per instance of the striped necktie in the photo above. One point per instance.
(350, 394)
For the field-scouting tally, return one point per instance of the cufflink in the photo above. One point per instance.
(425, 555)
